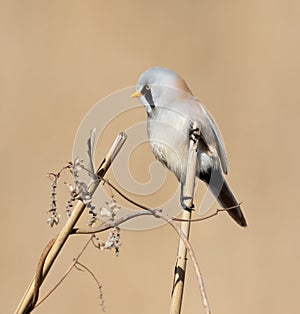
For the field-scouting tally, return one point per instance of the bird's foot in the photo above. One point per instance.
(186, 203)
(195, 134)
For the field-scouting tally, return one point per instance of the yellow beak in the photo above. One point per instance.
(136, 95)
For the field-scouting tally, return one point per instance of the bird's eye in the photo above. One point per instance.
(146, 89)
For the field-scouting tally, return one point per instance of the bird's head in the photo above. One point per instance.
(157, 85)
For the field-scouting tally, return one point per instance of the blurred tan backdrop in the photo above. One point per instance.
(241, 58)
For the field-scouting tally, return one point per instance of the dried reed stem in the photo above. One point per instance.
(27, 302)
(187, 193)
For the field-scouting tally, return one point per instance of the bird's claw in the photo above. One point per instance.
(184, 200)
(194, 134)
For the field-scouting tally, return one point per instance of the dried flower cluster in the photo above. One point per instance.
(113, 240)
(79, 190)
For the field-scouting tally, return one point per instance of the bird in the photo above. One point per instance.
(171, 109)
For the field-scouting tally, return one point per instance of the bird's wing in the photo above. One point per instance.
(220, 146)
(191, 108)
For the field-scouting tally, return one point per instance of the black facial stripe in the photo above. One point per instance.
(146, 91)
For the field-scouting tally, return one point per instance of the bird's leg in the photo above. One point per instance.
(185, 200)
(188, 179)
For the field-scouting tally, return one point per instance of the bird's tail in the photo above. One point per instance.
(220, 189)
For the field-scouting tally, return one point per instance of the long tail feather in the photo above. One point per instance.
(220, 189)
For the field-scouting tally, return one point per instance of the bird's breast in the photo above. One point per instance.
(169, 135)
(169, 140)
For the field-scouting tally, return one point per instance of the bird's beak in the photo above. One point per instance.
(136, 95)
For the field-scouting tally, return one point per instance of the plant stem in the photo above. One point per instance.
(26, 304)
(187, 193)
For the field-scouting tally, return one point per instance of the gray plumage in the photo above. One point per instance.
(171, 109)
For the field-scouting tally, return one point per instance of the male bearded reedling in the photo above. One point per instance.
(171, 110)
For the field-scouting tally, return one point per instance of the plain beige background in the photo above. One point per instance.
(241, 58)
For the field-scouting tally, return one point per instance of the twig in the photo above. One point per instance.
(96, 280)
(148, 209)
(108, 225)
(64, 276)
(209, 216)
(26, 304)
